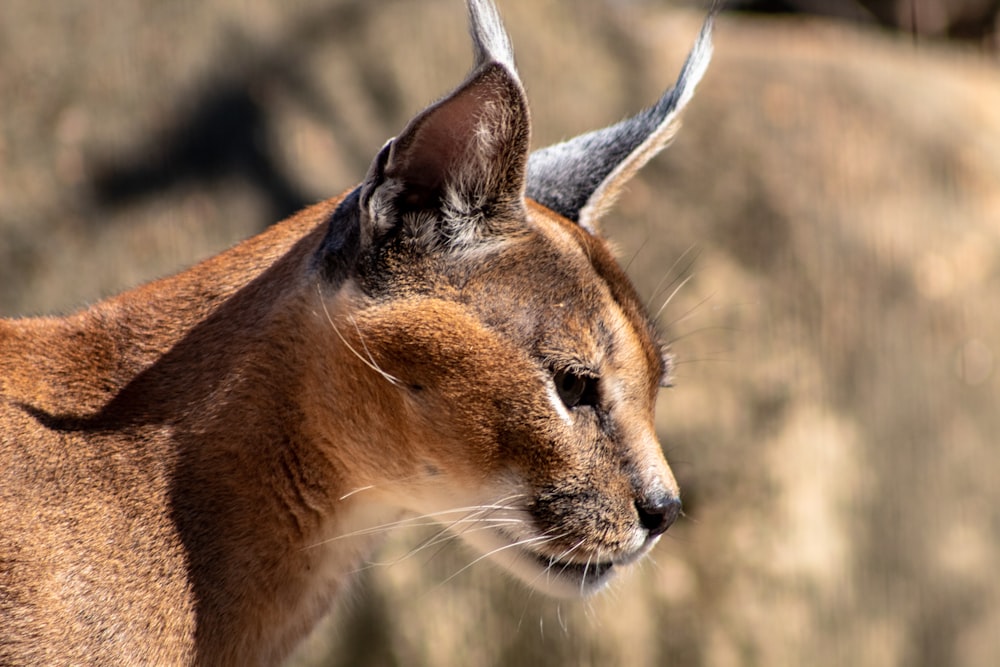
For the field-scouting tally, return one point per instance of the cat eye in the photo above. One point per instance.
(574, 388)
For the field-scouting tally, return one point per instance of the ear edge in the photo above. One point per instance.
(338, 252)
(466, 153)
(567, 178)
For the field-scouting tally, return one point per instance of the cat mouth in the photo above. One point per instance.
(571, 574)
(588, 575)
(565, 577)
(572, 577)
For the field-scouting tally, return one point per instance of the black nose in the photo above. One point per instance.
(658, 513)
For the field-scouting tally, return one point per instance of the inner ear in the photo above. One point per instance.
(460, 158)
(432, 150)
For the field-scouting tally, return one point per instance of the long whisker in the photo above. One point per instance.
(670, 298)
(553, 560)
(368, 353)
(409, 521)
(396, 481)
(441, 538)
(564, 556)
(562, 622)
(687, 314)
(539, 539)
(663, 284)
(370, 361)
(358, 490)
(583, 579)
(448, 533)
(702, 330)
(476, 518)
(635, 255)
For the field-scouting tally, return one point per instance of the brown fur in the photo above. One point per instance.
(190, 471)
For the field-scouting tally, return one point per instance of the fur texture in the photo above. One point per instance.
(190, 471)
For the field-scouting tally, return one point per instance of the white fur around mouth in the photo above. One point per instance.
(565, 577)
(574, 572)
(562, 577)
(588, 576)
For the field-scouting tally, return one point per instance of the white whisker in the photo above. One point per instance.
(554, 560)
(687, 314)
(663, 284)
(475, 518)
(583, 579)
(540, 539)
(370, 361)
(359, 490)
(670, 298)
(415, 521)
(440, 538)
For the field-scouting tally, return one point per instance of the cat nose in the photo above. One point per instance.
(658, 512)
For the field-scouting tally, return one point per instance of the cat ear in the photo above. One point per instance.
(581, 178)
(459, 167)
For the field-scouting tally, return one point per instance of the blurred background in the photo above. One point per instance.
(832, 202)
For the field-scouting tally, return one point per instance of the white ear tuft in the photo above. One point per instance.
(456, 173)
(490, 41)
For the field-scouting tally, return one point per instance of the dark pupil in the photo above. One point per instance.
(571, 387)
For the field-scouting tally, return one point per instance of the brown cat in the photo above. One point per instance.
(189, 471)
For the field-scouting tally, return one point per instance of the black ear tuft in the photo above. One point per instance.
(458, 169)
(456, 174)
